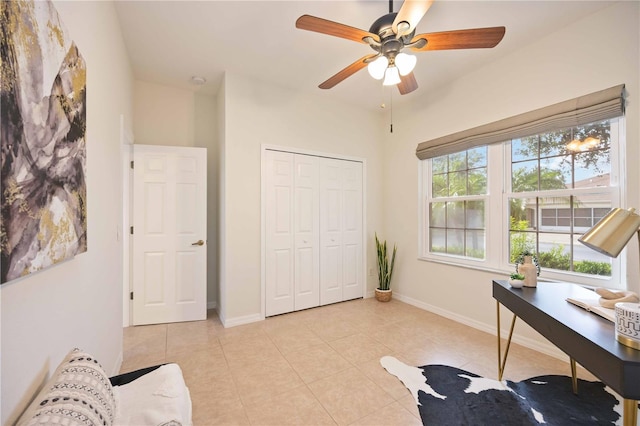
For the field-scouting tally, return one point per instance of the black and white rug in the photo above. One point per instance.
(450, 396)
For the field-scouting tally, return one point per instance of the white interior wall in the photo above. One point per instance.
(205, 132)
(165, 115)
(257, 113)
(77, 303)
(170, 116)
(220, 238)
(574, 61)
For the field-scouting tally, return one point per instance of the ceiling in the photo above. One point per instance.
(170, 41)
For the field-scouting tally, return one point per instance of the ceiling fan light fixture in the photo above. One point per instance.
(378, 67)
(405, 63)
(391, 76)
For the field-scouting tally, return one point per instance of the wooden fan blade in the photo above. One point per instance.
(407, 84)
(411, 12)
(475, 38)
(324, 26)
(347, 72)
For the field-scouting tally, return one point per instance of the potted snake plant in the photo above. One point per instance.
(385, 270)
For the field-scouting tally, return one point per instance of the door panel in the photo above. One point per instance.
(331, 257)
(154, 199)
(186, 266)
(306, 226)
(154, 284)
(353, 284)
(279, 293)
(282, 275)
(169, 216)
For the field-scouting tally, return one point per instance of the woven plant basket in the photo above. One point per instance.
(383, 295)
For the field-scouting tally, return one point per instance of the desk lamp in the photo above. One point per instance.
(609, 236)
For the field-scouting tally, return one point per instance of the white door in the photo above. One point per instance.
(279, 262)
(340, 231)
(313, 231)
(292, 265)
(306, 232)
(353, 281)
(331, 250)
(169, 234)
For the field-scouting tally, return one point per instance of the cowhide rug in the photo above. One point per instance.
(450, 396)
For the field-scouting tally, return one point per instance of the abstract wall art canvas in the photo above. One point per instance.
(43, 145)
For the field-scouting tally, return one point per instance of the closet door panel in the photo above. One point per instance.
(279, 268)
(353, 282)
(331, 251)
(306, 226)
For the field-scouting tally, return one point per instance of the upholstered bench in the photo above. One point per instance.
(80, 393)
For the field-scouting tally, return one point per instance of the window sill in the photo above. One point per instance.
(546, 276)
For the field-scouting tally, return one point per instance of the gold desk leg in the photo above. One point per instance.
(574, 376)
(503, 361)
(499, 349)
(630, 413)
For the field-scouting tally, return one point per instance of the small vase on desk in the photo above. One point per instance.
(530, 272)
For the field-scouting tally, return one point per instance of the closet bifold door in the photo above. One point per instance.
(340, 230)
(292, 269)
(352, 276)
(279, 255)
(313, 231)
(306, 232)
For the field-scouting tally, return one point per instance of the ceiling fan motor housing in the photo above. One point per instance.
(390, 45)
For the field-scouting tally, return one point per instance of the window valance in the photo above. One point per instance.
(597, 106)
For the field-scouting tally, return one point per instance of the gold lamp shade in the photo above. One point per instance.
(609, 236)
(612, 232)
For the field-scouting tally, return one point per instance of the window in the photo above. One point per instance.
(457, 209)
(485, 205)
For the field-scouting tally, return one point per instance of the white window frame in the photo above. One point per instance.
(497, 215)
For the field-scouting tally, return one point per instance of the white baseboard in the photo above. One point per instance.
(247, 319)
(212, 305)
(545, 348)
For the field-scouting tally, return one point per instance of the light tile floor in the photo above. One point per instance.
(320, 366)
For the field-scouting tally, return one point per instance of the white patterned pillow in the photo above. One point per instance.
(79, 393)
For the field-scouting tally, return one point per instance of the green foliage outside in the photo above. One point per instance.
(462, 173)
(556, 143)
(520, 241)
(527, 180)
(555, 258)
(593, 268)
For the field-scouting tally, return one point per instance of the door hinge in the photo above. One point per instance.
(131, 230)
(132, 164)
(131, 295)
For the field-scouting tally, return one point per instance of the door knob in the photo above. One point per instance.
(198, 243)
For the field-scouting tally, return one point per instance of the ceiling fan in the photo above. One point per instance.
(392, 33)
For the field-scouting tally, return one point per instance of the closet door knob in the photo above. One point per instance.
(198, 243)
